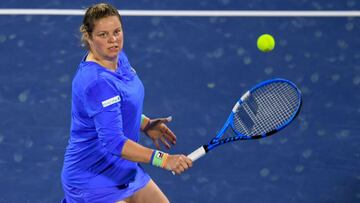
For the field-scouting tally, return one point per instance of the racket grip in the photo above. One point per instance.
(198, 153)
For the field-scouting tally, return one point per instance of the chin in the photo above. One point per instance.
(113, 55)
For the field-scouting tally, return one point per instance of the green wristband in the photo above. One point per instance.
(157, 158)
(142, 119)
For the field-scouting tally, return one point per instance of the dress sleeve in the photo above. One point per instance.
(103, 105)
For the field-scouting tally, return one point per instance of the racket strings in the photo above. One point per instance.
(277, 108)
(266, 109)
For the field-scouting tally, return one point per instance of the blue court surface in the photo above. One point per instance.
(193, 68)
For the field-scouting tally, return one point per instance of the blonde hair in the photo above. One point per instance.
(92, 14)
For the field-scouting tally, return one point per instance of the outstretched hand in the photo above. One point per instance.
(157, 130)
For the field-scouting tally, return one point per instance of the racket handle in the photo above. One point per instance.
(198, 153)
(195, 155)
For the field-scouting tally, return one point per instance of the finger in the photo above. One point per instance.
(188, 161)
(163, 120)
(163, 140)
(157, 122)
(170, 138)
(179, 169)
(184, 164)
(169, 134)
(177, 172)
(168, 119)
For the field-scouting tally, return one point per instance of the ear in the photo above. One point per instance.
(88, 39)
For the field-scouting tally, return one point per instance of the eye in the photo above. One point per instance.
(117, 32)
(102, 35)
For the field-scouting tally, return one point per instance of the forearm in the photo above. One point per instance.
(135, 152)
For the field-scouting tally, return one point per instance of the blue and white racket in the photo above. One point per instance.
(262, 111)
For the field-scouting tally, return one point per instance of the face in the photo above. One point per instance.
(106, 40)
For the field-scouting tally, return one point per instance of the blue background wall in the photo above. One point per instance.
(193, 68)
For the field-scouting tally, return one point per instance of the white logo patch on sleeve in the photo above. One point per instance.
(110, 101)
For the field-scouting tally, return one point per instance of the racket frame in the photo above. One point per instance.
(217, 140)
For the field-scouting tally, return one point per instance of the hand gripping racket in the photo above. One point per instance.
(262, 111)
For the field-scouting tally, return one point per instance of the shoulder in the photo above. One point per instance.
(123, 60)
(99, 83)
(124, 64)
(89, 75)
(122, 55)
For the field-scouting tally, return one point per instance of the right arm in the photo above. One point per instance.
(135, 152)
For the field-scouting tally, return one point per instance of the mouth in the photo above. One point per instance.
(114, 48)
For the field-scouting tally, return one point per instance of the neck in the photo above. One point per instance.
(108, 64)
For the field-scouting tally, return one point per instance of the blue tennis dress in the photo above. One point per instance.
(106, 111)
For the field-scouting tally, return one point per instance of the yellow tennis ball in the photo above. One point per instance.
(266, 43)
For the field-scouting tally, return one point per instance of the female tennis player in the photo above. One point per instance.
(102, 158)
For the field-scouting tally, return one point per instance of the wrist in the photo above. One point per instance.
(159, 158)
(145, 121)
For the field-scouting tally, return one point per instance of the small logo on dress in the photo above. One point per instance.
(110, 101)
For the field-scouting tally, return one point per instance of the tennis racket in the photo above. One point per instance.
(262, 111)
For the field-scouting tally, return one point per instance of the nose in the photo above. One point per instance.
(112, 38)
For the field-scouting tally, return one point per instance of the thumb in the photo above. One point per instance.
(162, 120)
(168, 119)
(158, 121)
